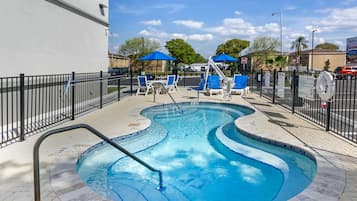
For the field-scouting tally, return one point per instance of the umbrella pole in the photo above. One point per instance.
(157, 65)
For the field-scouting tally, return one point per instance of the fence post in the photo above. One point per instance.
(22, 107)
(73, 95)
(261, 82)
(118, 82)
(274, 81)
(252, 78)
(101, 90)
(131, 81)
(293, 82)
(328, 115)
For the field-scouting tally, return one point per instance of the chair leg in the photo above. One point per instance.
(147, 91)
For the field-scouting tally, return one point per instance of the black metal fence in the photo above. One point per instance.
(31, 103)
(339, 115)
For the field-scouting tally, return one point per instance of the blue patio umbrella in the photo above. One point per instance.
(224, 58)
(156, 56)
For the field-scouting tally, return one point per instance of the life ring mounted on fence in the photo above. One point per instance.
(325, 86)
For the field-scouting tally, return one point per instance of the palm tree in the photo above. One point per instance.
(299, 44)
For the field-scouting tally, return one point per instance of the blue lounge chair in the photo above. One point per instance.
(143, 86)
(240, 84)
(214, 85)
(199, 88)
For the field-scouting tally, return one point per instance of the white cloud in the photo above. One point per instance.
(338, 19)
(170, 8)
(290, 8)
(339, 43)
(192, 37)
(238, 26)
(113, 35)
(151, 22)
(179, 35)
(324, 10)
(237, 12)
(154, 32)
(189, 23)
(200, 37)
(120, 8)
(319, 40)
(234, 27)
(270, 27)
(348, 2)
(164, 35)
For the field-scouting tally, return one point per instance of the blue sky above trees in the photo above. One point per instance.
(205, 25)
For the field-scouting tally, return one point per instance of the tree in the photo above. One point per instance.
(183, 52)
(232, 47)
(262, 48)
(136, 48)
(327, 46)
(327, 65)
(279, 61)
(299, 44)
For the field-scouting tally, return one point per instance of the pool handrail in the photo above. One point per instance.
(36, 165)
(167, 92)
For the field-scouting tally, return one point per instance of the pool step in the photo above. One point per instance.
(126, 189)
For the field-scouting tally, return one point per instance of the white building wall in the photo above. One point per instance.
(40, 37)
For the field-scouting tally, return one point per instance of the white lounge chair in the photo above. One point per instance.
(170, 84)
(177, 78)
(143, 86)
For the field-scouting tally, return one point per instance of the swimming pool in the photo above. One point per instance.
(202, 155)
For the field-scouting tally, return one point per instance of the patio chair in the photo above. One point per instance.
(214, 85)
(239, 84)
(143, 86)
(199, 88)
(177, 77)
(170, 84)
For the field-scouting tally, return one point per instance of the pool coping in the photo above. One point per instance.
(328, 184)
(329, 181)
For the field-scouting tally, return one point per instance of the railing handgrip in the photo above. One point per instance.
(173, 100)
(36, 161)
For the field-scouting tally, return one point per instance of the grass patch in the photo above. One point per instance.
(113, 89)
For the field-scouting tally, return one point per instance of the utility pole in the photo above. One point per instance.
(312, 49)
(281, 30)
(142, 51)
(281, 35)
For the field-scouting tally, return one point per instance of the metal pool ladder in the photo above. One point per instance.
(36, 165)
(167, 92)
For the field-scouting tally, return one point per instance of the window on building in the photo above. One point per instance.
(102, 8)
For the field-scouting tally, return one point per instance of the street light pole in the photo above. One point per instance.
(142, 52)
(131, 78)
(281, 30)
(312, 49)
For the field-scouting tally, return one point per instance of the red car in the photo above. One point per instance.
(343, 71)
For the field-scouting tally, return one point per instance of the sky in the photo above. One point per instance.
(206, 24)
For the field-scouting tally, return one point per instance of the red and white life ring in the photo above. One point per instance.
(325, 86)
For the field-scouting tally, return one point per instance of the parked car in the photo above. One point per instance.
(118, 71)
(345, 71)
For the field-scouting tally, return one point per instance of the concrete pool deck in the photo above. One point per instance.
(336, 158)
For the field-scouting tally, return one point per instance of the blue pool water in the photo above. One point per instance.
(189, 150)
